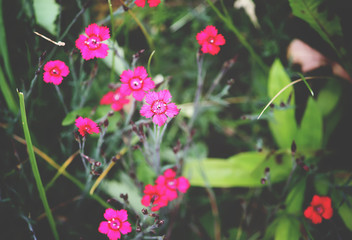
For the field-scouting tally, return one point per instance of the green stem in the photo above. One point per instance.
(113, 40)
(35, 169)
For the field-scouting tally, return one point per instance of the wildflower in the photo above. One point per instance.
(154, 195)
(152, 3)
(86, 125)
(116, 224)
(159, 107)
(92, 45)
(136, 82)
(55, 71)
(319, 208)
(210, 40)
(172, 184)
(116, 99)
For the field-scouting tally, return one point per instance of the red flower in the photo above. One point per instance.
(152, 3)
(55, 71)
(116, 99)
(210, 40)
(136, 82)
(92, 45)
(319, 208)
(154, 195)
(116, 224)
(172, 184)
(86, 125)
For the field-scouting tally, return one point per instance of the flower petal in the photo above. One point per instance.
(122, 215)
(114, 235)
(182, 184)
(126, 228)
(159, 119)
(172, 110)
(138, 95)
(146, 111)
(104, 227)
(110, 214)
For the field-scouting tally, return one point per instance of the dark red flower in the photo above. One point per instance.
(116, 99)
(210, 40)
(319, 208)
(155, 196)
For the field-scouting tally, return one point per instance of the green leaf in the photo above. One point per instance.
(345, 212)
(7, 93)
(287, 228)
(310, 133)
(71, 116)
(283, 124)
(319, 19)
(46, 12)
(241, 170)
(329, 97)
(321, 184)
(295, 198)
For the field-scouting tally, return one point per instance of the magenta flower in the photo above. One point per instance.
(210, 40)
(154, 195)
(152, 3)
(55, 71)
(136, 82)
(116, 224)
(116, 99)
(86, 125)
(92, 45)
(159, 107)
(172, 184)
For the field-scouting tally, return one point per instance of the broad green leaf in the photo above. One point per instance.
(321, 184)
(241, 170)
(283, 124)
(287, 228)
(345, 212)
(329, 96)
(71, 116)
(295, 198)
(46, 12)
(313, 12)
(310, 133)
(102, 111)
(7, 93)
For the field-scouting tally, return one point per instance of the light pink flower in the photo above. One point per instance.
(116, 224)
(116, 99)
(92, 45)
(152, 3)
(172, 184)
(55, 71)
(210, 40)
(159, 107)
(154, 195)
(86, 125)
(136, 82)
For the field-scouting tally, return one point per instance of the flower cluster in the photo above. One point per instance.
(165, 190)
(319, 208)
(210, 40)
(116, 224)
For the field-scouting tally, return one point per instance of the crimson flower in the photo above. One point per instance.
(86, 125)
(55, 71)
(159, 107)
(319, 208)
(210, 40)
(172, 184)
(136, 82)
(92, 45)
(116, 224)
(154, 195)
(116, 99)
(152, 3)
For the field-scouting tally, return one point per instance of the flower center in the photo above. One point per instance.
(319, 209)
(159, 107)
(211, 40)
(93, 42)
(55, 71)
(171, 184)
(87, 128)
(114, 224)
(136, 83)
(116, 97)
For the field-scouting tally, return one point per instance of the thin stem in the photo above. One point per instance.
(113, 40)
(61, 98)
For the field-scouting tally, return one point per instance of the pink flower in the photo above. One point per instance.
(159, 107)
(152, 3)
(86, 125)
(210, 40)
(116, 224)
(136, 82)
(92, 45)
(172, 184)
(154, 195)
(55, 71)
(116, 99)
(319, 208)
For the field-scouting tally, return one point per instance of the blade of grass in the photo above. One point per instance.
(5, 88)
(61, 170)
(305, 81)
(35, 169)
(149, 61)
